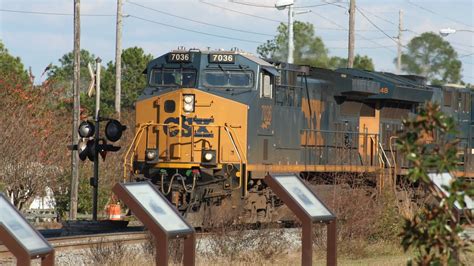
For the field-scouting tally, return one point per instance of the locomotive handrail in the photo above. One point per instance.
(240, 158)
(347, 142)
(337, 131)
(135, 140)
(129, 155)
(384, 155)
(391, 152)
(381, 162)
(349, 147)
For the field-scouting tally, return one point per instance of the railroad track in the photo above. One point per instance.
(62, 244)
(67, 243)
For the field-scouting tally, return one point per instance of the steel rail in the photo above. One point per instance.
(86, 241)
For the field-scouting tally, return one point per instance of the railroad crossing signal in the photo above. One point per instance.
(91, 145)
(87, 144)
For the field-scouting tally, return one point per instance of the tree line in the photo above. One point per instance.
(427, 55)
(134, 61)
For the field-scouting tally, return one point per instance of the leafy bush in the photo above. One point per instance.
(434, 232)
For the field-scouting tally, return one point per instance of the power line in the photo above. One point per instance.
(250, 4)
(197, 21)
(452, 43)
(460, 44)
(194, 31)
(373, 24)
(239, 39)
(377, 16)
(392, 38)
(466, 55)
(335, 3)
(53, 13)
(339, 40)
(412, 31)
(364, 47)
(438, 14)
(266, 6)
(240, 12)
(357, 34)
(277, 21)
(317, 5)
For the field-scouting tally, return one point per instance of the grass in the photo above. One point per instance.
(381, 253)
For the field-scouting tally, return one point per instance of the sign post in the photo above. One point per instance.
(309, 209)
(21, 238)
(160, 217)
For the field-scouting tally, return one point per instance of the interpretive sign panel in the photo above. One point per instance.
(309, 209)
(158, 207)
(304, 197)
(160, 217)
(445, 179)
(18, 235)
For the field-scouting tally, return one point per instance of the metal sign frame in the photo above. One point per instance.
(440, 179)
(306, 219)
(18, 248)
(162, 236)
(437, 182)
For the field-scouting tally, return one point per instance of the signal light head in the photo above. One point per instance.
(113, 130)
(82, 149)
(86, 129)
(86, 149)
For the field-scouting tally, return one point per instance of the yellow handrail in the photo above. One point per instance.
(391, 152)
(381, 162)
(129, 155)
(238, 154)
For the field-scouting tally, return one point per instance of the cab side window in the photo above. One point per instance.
(266, 85)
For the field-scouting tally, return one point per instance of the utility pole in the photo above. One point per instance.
(350, 57)
(399, 52)
(118, 59)
(95, 179)
(75, 111)
(290, 34)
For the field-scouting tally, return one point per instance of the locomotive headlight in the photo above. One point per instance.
(188, 100)
(208, 156)
(151, 155)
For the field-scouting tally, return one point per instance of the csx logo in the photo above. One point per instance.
(186, 127)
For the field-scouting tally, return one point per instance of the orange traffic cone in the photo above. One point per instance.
(114, 212)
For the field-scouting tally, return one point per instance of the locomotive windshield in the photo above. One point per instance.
(173, 77)
(228, 78)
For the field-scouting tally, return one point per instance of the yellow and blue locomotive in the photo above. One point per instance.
(211, 124)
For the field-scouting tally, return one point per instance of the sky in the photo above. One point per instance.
(41, 31)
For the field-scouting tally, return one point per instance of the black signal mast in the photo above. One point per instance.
(91, 148)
